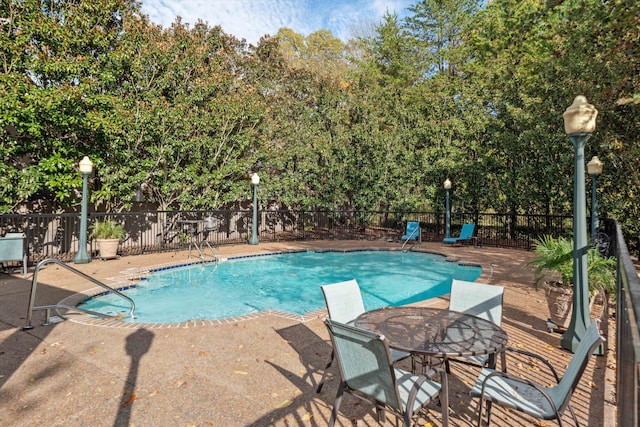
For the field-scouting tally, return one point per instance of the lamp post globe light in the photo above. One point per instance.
(255, 180)
(579, 124)
(86, 167)
(447, 226)
(594, 168)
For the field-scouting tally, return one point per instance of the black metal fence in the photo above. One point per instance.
(628, 328)
(56, 235)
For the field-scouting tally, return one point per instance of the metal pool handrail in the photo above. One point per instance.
(34, 286)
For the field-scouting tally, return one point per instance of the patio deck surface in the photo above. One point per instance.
(261, 371)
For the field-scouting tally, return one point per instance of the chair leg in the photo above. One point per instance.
(480, 412)
(488, 412)
(444, 399)
(336, 405)
(421, 361)
(324, 374)
(573, 414)
(380, 413)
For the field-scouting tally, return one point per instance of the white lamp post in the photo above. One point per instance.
(579, 123)
(255, 180)
(594, 168)
(447, 226)
(86, 167)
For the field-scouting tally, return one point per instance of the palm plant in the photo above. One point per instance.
(601, 272)
(556, 255)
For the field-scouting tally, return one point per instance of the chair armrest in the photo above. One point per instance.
(535, 356)
(521, 381)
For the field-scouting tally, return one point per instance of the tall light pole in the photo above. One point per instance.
(579, 124)
(447, 223)
(255, 180)
(594, 168)
(86, 167)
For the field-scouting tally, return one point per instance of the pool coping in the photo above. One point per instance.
(126, 281)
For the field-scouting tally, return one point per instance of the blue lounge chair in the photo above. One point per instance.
(465, 235)
(413, 232)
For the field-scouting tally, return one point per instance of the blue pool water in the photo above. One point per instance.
(284, 282)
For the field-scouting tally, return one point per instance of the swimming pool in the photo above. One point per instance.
(288, 282)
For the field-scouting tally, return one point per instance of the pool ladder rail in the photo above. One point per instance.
(416, 231)
(200, 249)
(48, 308)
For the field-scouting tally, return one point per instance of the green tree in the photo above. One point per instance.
(451, 116)
(56, 60)
(468, 90)
(597, 50)
(439, 29)
(380, 150)
(525, 151)
(188, 122)
(305, 129)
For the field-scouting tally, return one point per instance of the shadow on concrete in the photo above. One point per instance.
(138, 344)
(314, 353)
(17, 346)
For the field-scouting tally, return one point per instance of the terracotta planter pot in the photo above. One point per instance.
(108, 248)
(560, 302)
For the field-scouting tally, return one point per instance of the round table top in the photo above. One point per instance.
(434, 331)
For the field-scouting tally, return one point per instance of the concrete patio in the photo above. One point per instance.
(261, 371)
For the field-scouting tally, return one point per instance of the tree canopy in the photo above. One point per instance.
(468, 90)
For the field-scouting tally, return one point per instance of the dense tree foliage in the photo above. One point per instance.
(468, 90)
(57, 70)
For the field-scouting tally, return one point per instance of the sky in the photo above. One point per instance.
(251, 19)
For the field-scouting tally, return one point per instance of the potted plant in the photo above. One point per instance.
(556, 256)
(108, 235)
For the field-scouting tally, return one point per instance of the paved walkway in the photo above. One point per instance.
(257, 372)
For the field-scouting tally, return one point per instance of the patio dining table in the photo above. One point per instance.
(435, 332)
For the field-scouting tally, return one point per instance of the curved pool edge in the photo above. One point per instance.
(129, 279)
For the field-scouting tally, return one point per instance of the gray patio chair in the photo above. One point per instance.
(477, 299)
(544, 403)
(367, 372)
(344, 304)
